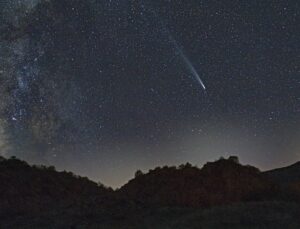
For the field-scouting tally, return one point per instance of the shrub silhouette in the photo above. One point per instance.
(138, 173)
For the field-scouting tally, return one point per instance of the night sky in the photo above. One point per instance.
(103, 88)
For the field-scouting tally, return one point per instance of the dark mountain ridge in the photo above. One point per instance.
(41, 196)
(217, 183)
(285, 175)
(39, 190)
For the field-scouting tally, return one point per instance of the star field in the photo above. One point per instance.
(104, 88)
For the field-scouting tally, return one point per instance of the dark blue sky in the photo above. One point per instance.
(103, 88)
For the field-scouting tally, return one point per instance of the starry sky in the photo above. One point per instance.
(103, 88)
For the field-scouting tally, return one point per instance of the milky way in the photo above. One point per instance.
(104, 88)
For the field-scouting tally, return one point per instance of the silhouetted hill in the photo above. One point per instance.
(220, 182)
(288, 178)
(285, 175)
(40, 191)
(222, 194)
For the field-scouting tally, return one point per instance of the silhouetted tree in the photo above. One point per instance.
(138, 173)
(52, 168)
(234, 159)
(184, 166)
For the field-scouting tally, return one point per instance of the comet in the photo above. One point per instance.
(188, 64)
(179, 50)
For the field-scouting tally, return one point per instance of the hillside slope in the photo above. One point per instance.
(220, 182)
(285, 175)
(222, 194)
(288, 178)
(38, 191)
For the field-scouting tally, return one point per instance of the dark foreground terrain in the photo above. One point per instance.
(222, 194)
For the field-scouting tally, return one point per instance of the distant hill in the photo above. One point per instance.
(220, 182)
(285, 175)
(288, 179)
(221, 193)
(40, 191)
